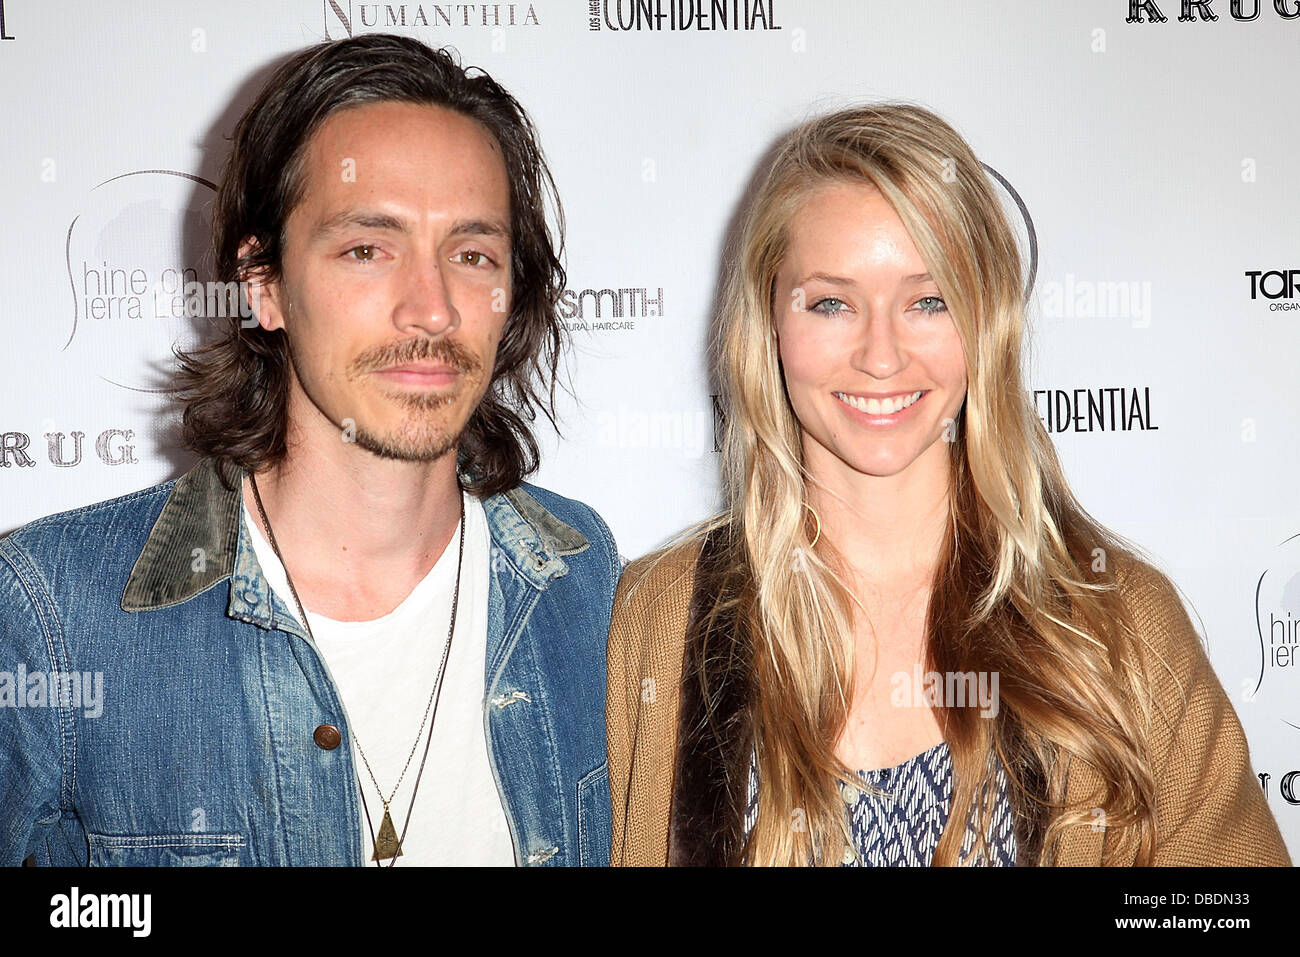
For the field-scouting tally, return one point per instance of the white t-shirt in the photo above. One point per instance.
(385, 670)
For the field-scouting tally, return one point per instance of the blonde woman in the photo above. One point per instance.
(904, 641)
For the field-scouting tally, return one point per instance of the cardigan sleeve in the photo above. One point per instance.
(1210, 808)
(619, 717)
(642, 700)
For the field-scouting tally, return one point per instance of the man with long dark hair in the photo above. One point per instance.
(351, 633)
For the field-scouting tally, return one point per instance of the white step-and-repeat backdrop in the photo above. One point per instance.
(1149, 157)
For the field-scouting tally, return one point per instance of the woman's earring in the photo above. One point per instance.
(818, 519)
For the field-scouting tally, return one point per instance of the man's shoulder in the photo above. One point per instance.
(557, 516)
(81, 557)
(557, 504)
(97, 524)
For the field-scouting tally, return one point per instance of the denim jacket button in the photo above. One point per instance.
(327, 737)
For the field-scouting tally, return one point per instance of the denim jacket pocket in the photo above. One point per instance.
(595, 818)
(165, 850)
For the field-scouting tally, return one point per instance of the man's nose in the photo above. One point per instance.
(425, 303)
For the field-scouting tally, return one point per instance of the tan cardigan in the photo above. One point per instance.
(1210, 808)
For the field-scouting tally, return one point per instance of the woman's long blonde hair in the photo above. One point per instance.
(1020, 589)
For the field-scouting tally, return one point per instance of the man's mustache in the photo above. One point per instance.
(446, 351)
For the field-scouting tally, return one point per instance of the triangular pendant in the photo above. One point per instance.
(387, 845)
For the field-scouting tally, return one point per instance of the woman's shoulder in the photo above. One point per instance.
(660, 581)
(1177, 684)
(1146, 590)
(1168, 643)
(1210, 809)
(647, 632)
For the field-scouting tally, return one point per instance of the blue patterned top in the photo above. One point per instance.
(902, 827)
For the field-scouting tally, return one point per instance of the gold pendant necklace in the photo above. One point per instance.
(387, 845)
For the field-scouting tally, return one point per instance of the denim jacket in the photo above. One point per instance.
(200, 746)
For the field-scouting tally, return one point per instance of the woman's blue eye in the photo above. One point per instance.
(935, 304)
(828, 311)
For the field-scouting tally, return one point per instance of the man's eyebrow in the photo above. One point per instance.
(366, 219)
(362, 218)
(480, 227)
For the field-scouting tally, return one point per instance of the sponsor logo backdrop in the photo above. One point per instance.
(1145, 149)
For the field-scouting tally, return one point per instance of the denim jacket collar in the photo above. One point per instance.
(199, 540)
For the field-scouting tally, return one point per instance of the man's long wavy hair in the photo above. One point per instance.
(1015, 590)
(235, 389)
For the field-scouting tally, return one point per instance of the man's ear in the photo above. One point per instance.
(264, 297)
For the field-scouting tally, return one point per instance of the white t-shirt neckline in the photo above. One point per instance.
(384, 670)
